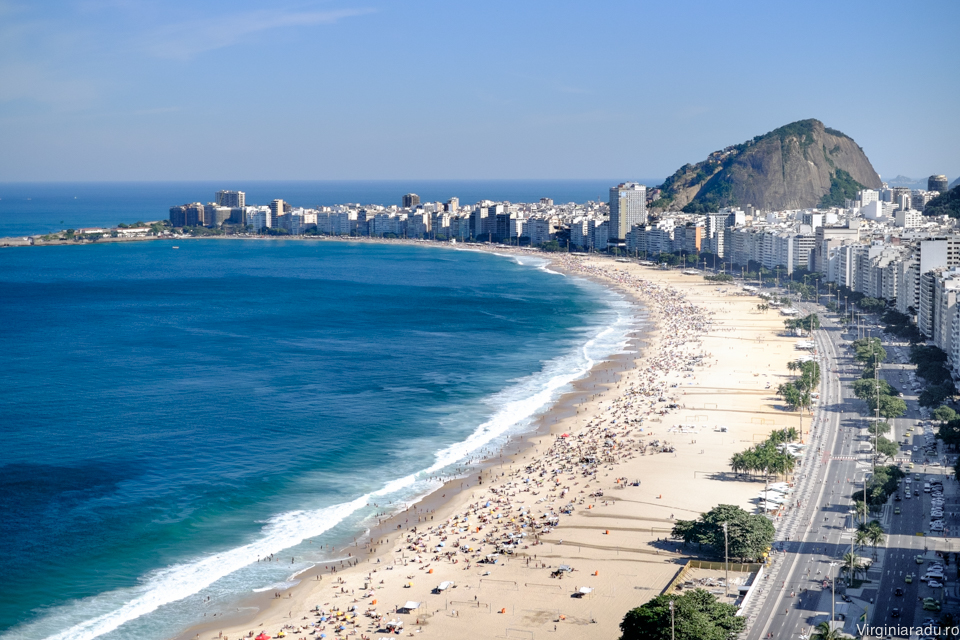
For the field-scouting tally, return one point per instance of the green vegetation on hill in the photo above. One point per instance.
(945, 204)
(842, 187)
(716, 193)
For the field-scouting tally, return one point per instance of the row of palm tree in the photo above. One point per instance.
(763, 458)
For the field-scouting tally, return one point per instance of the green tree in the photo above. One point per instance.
(867, 350)
(944, 414)
(697, 615)
(878, 428)
(887, 448)
(950, 433)
(936, 394)
(867, 388)
(852, 566)
(824, 632)
(875, 535)
(890, 407)
(749, 535)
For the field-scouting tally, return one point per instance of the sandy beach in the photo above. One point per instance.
(644, 439)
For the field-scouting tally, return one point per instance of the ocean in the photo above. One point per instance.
(170, 415)
(36, 208)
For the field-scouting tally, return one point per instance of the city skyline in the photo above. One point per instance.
(170, 91)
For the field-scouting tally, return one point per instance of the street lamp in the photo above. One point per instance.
(671, 621)
(833, 595)
(726, 557)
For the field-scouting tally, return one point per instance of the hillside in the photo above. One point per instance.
(800, 165)
(945, 204)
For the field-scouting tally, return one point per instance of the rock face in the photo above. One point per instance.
(800, 165)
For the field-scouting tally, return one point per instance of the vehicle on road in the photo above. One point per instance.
(898, 591)
(908, 578)
(931, 604)
(896, 511)
(895, 612)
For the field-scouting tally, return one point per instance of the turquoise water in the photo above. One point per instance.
(170, 415)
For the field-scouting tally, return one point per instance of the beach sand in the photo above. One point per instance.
(709, 351)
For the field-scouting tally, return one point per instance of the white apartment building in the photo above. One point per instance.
(908, 219)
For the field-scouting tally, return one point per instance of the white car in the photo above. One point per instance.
(933, 584)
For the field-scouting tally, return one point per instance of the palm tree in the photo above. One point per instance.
(875, 535)
(851, 564)
(860, 508)
(824, 632)
(862, 536)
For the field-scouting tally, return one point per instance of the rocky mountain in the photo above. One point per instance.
(800, 165)
(955, 183)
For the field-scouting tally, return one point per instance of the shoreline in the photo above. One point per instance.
(594, 386)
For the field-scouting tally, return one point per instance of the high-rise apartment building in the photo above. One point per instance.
(937, 183)
(276, 209)
(410, 200)
(231, 199)
(452, 205)
(188, 215)
(628, 207)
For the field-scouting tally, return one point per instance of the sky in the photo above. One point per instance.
(102, 90)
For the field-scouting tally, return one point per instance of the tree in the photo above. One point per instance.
(880, 428)
(749, 535)
(867, 350)
(875, 535)
(937, 394)
(698, 615)
(824, 632)
(852, 565)
(887, 448)
(860, 511)
(866, 388)
(944, 414)
(890, 407)
(950, 433)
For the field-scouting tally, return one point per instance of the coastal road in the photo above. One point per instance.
(817, 532)
(821, 531)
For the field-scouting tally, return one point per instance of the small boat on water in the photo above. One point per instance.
(176, 247)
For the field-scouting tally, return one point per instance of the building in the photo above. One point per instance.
(628, 207)
(188, 215)
(277, 208)
(231, 199)
(410, 200)
(215, 215)
(259, 218)
(938, 183)
(541, 230)
(908, 219)
(452, 205)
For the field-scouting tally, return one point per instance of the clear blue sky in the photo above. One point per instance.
(378, 89)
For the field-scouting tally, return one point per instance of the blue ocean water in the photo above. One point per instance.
(35, 207)
(169, 415)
